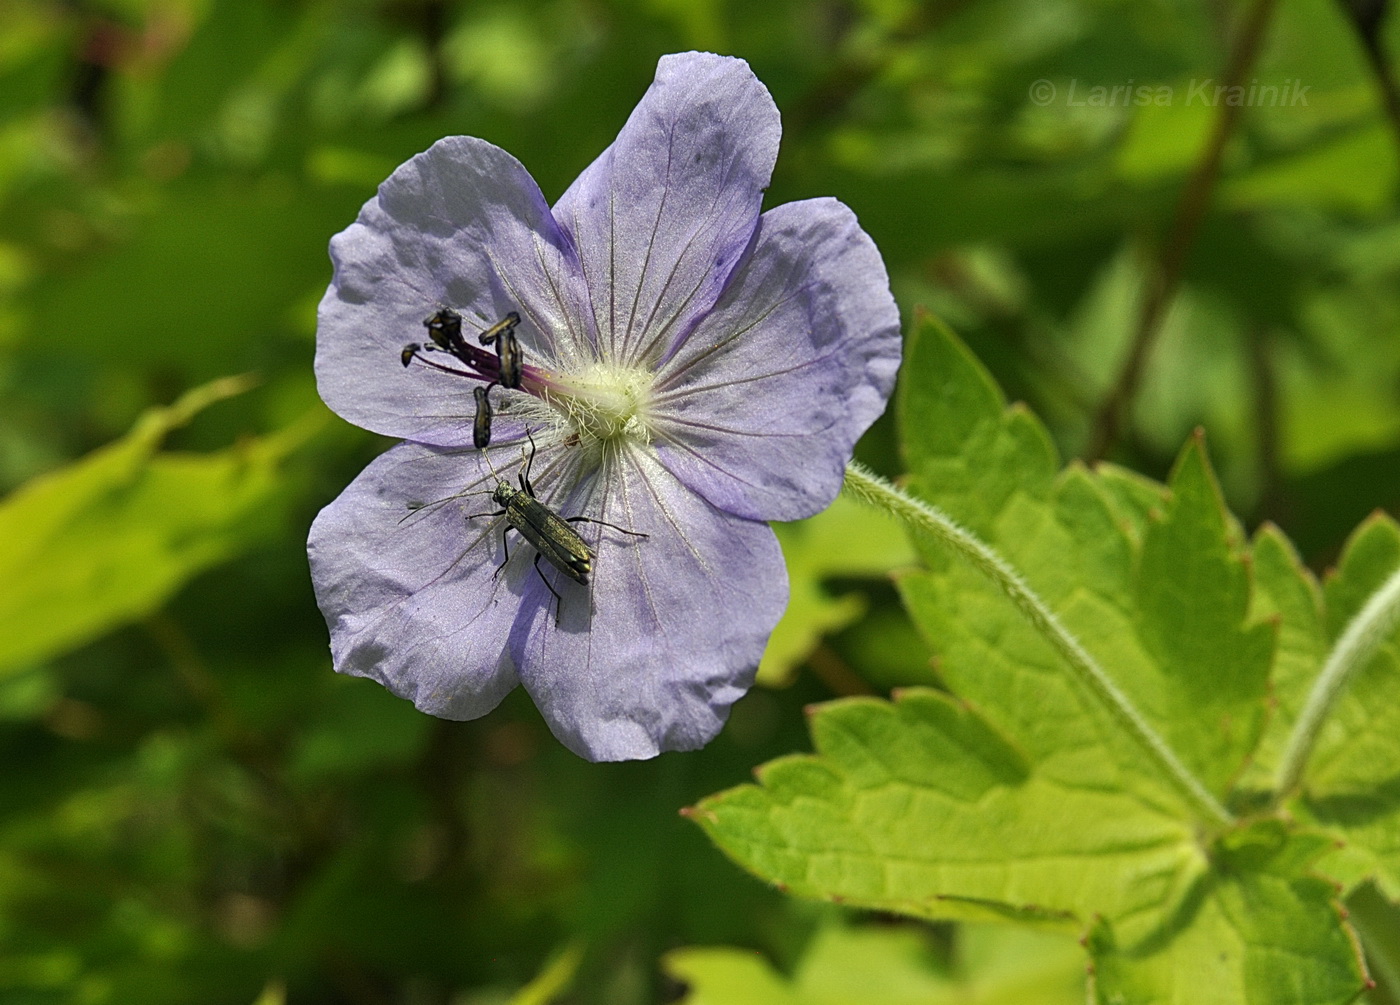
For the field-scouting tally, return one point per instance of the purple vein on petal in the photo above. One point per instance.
(394, 607)
(706, 460)
(577, 341)
(671, 519)
(663, 510)
(710, 223)
(689, 389)
(636, 558)
(612, 270)
(516, 298)
(588, 285)
(670, 377)
(758, 434)
(707, 225)
(644, 350)
(621, 351)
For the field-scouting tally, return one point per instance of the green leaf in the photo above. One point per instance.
(1351, 173)
(1134, 498)
(1351, 782)
(844, 965)
(1286, 593)
(920, 807)
(1163, 141)
(845, 540)
(1023, 798)
(1209, 672)
(1377, 921)
(1259, 931)
(1153, 583)
(555, 979)
(729, 977)
(360, 727)
(269, 253)
(110, 537)
(960, 437)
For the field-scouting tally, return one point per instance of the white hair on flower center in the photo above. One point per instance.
(604, 402)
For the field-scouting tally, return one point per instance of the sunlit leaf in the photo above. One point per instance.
(1260, 931)
(555, 979)
(110, 537)
(1021, 798)
(993, 965)
(1352, 780)
(920, 807)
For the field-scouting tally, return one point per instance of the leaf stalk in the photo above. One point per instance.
(869, 488)
(1377, 618)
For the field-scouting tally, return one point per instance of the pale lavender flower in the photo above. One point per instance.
(692, 369)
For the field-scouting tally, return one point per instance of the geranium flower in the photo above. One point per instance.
(692, 369)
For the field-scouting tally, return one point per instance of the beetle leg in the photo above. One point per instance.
(558, 600)
(476, 516)
(505, 545)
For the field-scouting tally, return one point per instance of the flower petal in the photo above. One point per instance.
(461, 225)
(760, 408)
(650, 656)
(409, 595)
(661, 217)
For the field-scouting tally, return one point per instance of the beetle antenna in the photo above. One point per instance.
(486, 456)
(415, 506)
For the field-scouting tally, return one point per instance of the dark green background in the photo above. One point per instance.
(195, 809)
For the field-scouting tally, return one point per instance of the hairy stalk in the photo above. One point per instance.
(1358, 643)
(869, 488)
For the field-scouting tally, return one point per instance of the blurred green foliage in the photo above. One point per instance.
(197, 809)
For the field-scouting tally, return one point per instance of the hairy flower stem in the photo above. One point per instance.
(869, 488)
(1359, 642)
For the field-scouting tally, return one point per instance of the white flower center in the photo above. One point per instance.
(605, 403)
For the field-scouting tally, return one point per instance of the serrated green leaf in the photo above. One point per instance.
(1352, 780)
(992, 965)
(1284, 592)
(1210, 672)
(845, 540)
(919, 807)
(1153, 583)
(1134, 498)
(959, 435)
(1260, 932)
(1027, 800)
(110, 537)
